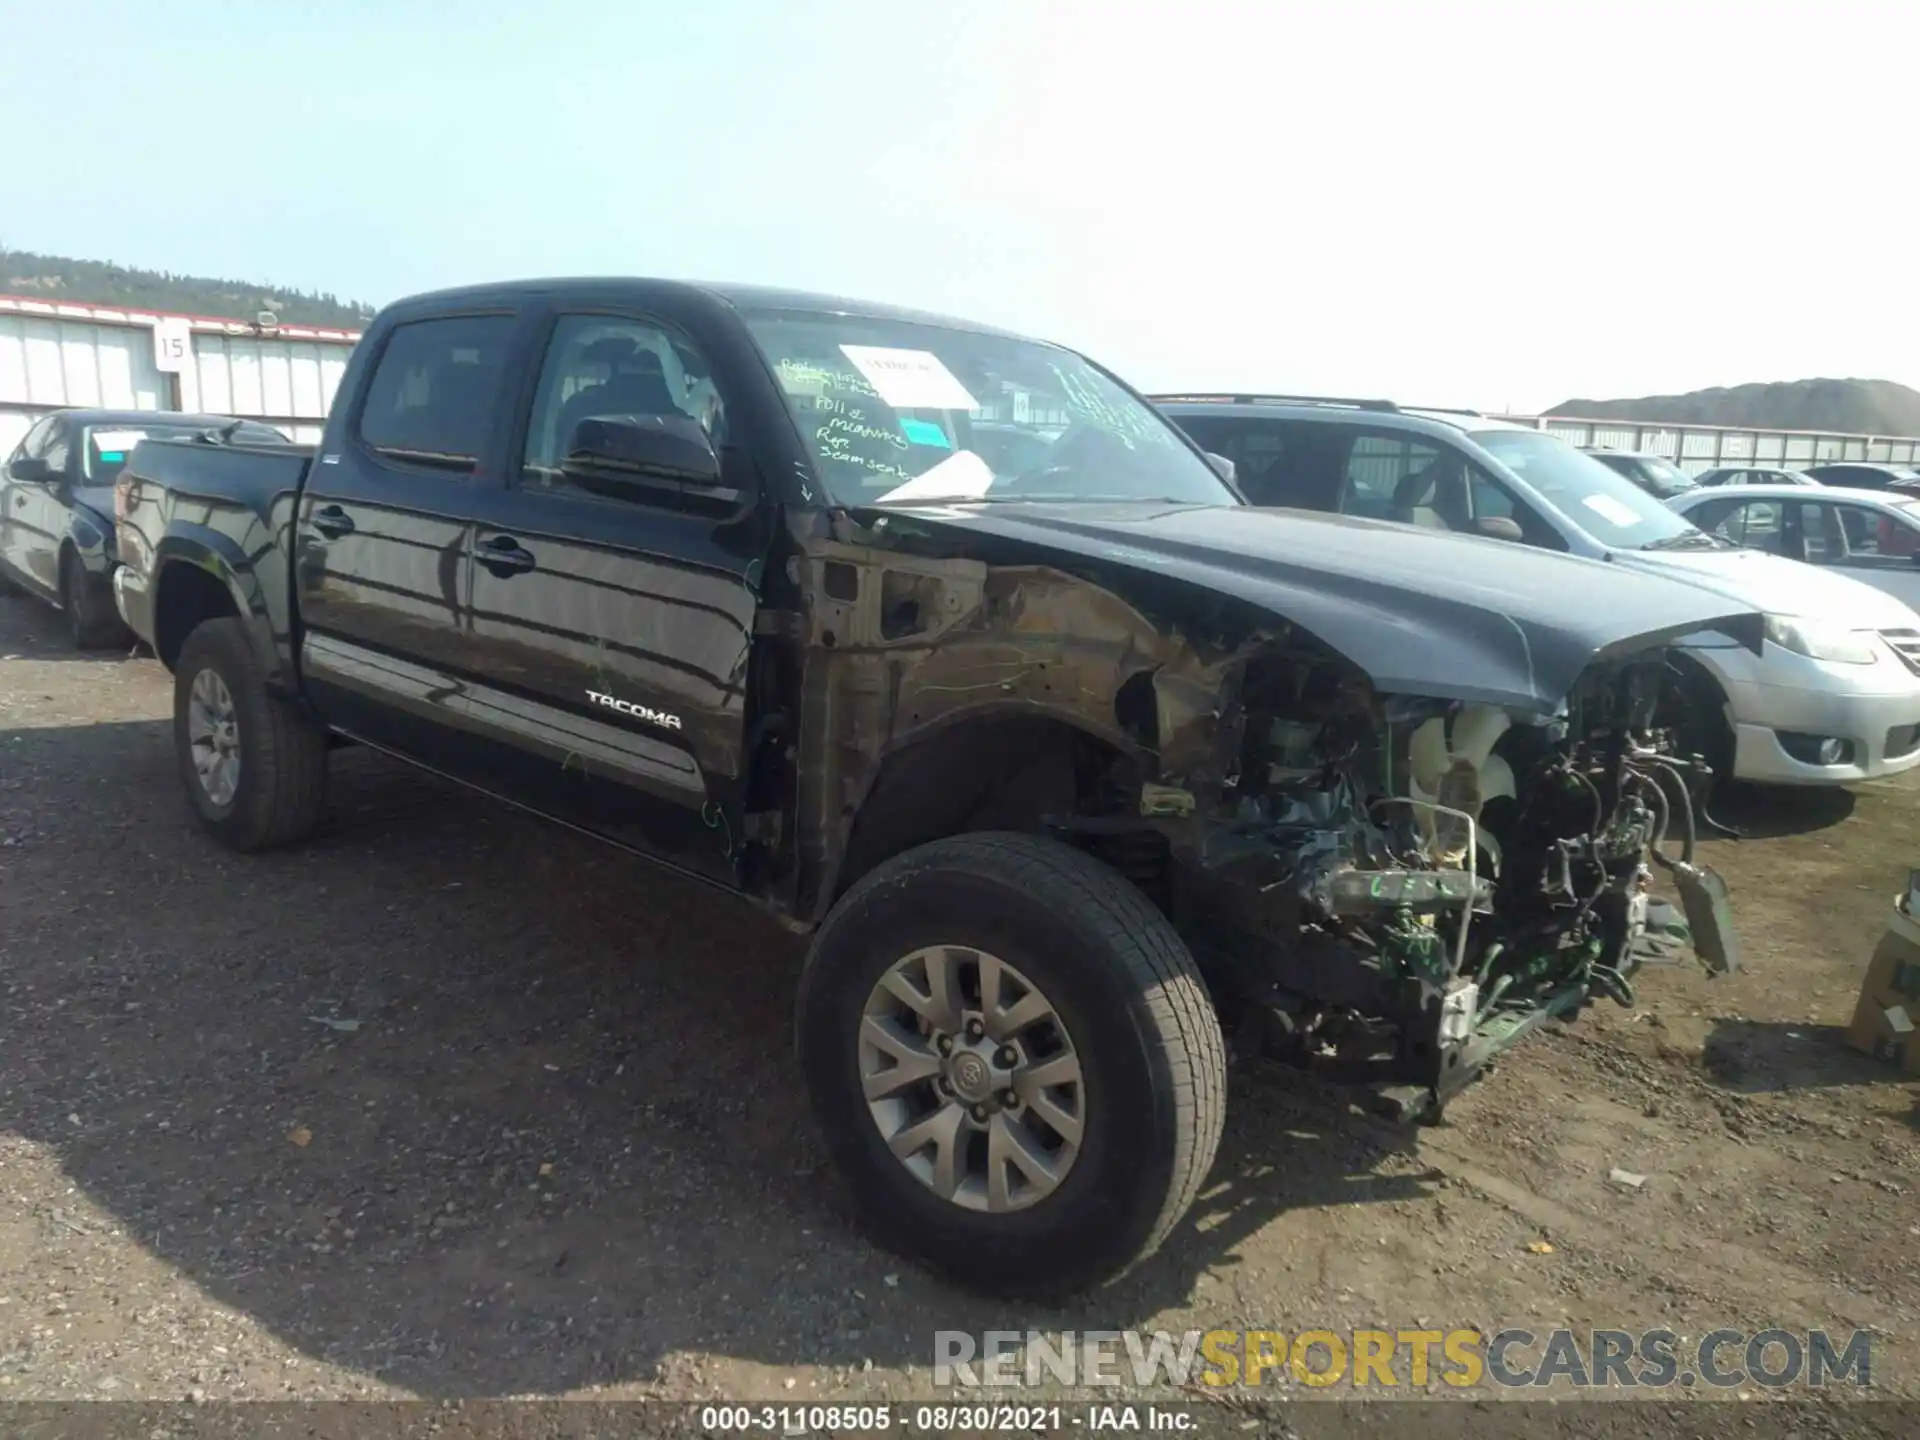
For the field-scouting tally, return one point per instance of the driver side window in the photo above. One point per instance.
(34, 441)
(1396, 477)
(1757, 525)
(58, 449)
(601, 366)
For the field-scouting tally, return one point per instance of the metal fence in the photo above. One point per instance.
(1695, 448)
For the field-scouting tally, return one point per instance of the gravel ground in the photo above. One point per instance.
(451, 1104)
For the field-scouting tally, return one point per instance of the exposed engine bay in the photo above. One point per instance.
(1398, 889)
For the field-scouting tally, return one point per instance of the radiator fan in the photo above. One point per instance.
(1452, 763)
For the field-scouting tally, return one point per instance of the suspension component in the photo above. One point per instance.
(1144, 857)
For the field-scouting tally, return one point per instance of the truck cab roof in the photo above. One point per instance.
(644, 289)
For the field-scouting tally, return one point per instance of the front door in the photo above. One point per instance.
(611, 630)
(382, 543)
(34, 519)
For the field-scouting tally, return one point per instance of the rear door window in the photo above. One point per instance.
(435, 391)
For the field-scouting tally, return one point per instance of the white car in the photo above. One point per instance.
(1834, 695)
(1871, 535)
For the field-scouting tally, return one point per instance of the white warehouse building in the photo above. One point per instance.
(55, 355)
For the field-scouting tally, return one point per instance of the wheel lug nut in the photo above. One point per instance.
(1007, 1057)
(980, 1112)
(945, 1044)
(975, 1029)
(1009, 1099)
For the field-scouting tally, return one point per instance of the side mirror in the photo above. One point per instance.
(621, 456)
(31, 470)
(1222, 466)
(1498, 527)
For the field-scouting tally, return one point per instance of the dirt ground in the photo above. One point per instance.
(452, 1104)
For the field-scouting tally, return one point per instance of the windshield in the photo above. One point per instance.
(106, 448)
(1614, 510)
(898, 413)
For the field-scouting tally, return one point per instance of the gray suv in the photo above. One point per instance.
(1834, 698)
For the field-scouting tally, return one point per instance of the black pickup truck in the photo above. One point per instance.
(942, 646)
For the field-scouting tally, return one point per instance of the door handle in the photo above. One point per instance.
(504, 556)
(333, 522)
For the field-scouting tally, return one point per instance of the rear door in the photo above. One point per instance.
(382, 542)
(612, 626)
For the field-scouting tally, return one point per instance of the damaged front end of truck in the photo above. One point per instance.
(1395, 889)
(1398, 829)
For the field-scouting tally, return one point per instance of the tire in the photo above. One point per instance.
(1704, 728)
(92, 622)
(1133, 1008)
(279, 791)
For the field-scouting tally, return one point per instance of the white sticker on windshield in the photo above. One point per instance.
(107, 441)
(1609, 508)
(910, 379)
(963, 475)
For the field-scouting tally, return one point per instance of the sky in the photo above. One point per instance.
(1496, 205)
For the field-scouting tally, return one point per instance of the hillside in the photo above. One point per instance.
(1858, 407)
(98, 282)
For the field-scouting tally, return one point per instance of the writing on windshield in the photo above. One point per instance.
(895, 412)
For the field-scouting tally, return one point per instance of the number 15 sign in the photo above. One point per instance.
(172, 345)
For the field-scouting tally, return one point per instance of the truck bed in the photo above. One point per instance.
(236, 499)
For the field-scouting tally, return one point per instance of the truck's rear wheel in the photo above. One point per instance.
(254, 766)
(1014, 1060)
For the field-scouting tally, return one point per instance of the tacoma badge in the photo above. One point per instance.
(639, 712)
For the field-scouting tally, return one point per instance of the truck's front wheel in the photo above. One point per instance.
(1014, 1060)
(254, 766)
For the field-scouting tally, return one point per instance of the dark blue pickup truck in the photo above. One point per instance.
(945, 648)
